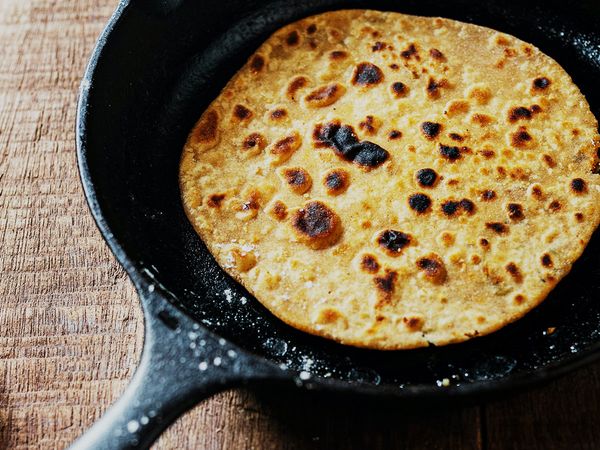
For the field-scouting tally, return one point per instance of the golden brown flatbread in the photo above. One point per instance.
(391, 181)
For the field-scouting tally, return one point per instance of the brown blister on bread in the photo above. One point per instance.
(284, 148)
(483, 120)
(514, 272)
(296, 84)
(253, 144)
(414, 323)
(399, 89)
(244, 261)
(385, 287)
(338, 55)
(370, 125)
(480, 94)
(325, 95)
(278, 210)
(369, 264)
(316, 225)
(206, 130)
(548, 160)
(456, 107)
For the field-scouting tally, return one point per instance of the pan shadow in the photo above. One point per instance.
(294, 420)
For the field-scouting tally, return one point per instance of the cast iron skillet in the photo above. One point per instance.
(155, 68)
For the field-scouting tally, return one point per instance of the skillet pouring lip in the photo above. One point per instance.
(135, 271)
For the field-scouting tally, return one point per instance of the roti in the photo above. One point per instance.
(393, 182)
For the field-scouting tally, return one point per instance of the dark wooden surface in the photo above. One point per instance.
(70, 326)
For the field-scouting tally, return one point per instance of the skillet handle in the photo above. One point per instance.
(181, 364)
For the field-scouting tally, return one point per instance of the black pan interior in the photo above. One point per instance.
(158, 72)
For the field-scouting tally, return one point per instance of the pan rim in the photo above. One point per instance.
(135, 272)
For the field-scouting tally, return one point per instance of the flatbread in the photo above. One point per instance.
(392, 182)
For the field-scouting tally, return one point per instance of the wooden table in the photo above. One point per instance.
(70, 325)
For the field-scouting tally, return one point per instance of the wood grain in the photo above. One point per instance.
(70, 326)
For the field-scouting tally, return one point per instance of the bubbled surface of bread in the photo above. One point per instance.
(390, 181)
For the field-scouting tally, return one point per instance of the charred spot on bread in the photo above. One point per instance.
(368, 263)
(450, 153)
(431, 129)
(393, 242)
(311, 29)
(547, 260)
(336, 55)
(345, 143)
(336, 181)
(487, 153)
(420, 203)
(426, 177)
(409, 52)
(456, 137)
(467, 206)
(437, 55)
(378, 46)
(399, 89)
(367, 74)
(549, 160)
(497, 227)
(298, 179)
(385, 286)
(241, 113)
(293, 38)
(433, 268)
(316, 225)
(488, 195)
(578, 186)
(520, 138)
(257, 63)
(554, 206)
(433, 88)
(278, 114)
(514, 272)
(541, 83)
(451, 208)
(394, 135)
(254, 142)
(215, 200)
(515, 212)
